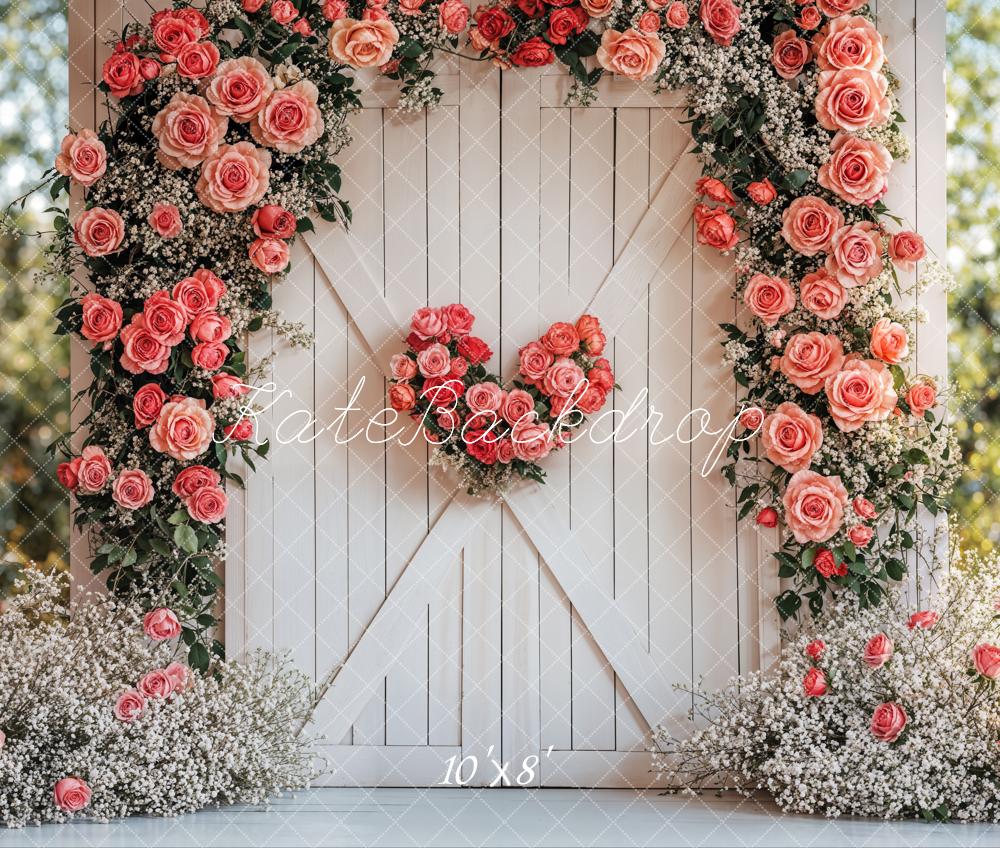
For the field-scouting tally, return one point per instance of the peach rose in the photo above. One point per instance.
(857, 171)
(270, 255)
(453, 16)
(93, 470)
(986, 659)
(82, 157)
(597, 8)
(207, 504)
(716, 227)
(888, 722)
(677, 15)
(791, 436)
(877, 651)
(810, 358)
(199, 292)
(855, 254)
(889, 341)
(434, 361)
(240, 88)
(860, 535)
(860, 392)
(835, 8)
(402, 367)
(809, 223)
(71, 794)
(769, 298)
(160, 624)
(156, 684)
(132, 489)
(197, 60)
(921, 397)
(906, 248)
(632, 54)
(166, 319)
(165, 219)
(142, 351)
(183, 429)
(532, 441)
(721, 19)
(809, 18)
(535, 360)
(234, 177)
(762, 192)
(362, 44)
(789, 54)
(192, 478)
(715, 189)
(102, 318)
(863, 508)
(188, 130)
(849, 42)
(814, 506)
(129, 705)
(852, 100)
(291, 119)
(822, 294)
(99, 231)
(814, 684)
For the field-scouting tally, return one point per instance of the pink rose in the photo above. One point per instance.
(165, 219)
(889, 341)
(93, 470)
(160, 624)
(855, 254)
(518, 405)
(762, 192)
(166, 319)
(251, 6)
(677, 15)
(179, 674)
(563, 379)
(199, 292)
(849, 42)
(291, 120)
(402, 397)
(142, 351)
(721, 19)
(864, 508)
(434, 361)
(410, 7)
(66, 473)
(920, 397)
(858, 170)
(207, 504)
(82, 157)
(129, 705)
(156, 684)
(240, 88)
(986, 659)
(852, 100)
(283, 11)
(228, 386)
(752, 418)
(98, 231)
(132, 489)
(402, 367)
(535, 360)
(835, 8)
(192, 478)
(121, 74)
(183, 429)
(822, 294)
(594, 8)
(453, 15)
(860, 535)
(71, 794)
(210, 356)
(632, 54)
(715, 190)
(906, 248)
(809, 223)
(171, 32)
(458, 319)
(272, 221)
(924, 619)
(211, 327)
(196, 61)
(334, 10)
(149, 69)
(362, 44)
(767, 517)
(810, 358)
(484, 397)
(716, 227)
(188, 130)
(814, 650)
(814, 684)
(301, 26)
(809, 18)
(789, 54)
(769, 298)
(102, 318)
(270, 255)
(428, 323)
(791, 436)
(234, 177)
(241, 431)
(814, 506)
(877, 651)
(888, 722)
(147, 403)
(860, 392)
(532, 441)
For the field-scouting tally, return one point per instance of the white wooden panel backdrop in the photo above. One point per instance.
(517, 206)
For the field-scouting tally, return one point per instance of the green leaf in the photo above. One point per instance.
(198, 657)
(178, 517)
(185, 538)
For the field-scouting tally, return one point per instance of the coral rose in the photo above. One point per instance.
(142, 351)
(855, 254)
(986, 659)
(132, 489)
(889, 341)
(71, 794)
(923, 619)
(160, 624)
(517, 406)
(270, 255)
(835, 8)
(849, 42)
(198, 60)
(852, 100)
(183, 429)
(814, 684)
(188, 130)
(860, 392)
(210, 327)
(453, 16)
(199, 292)
(888, 722)
(82, 157)
(721, 19)
(192, 478)
(864, 508)
(234, 177)
(716, 227)
(762, 192)
(535, 360)
(102, 318)
(564, 379)
(677, 15)
(561, 339)
(906, 248)
(240, 88)
(171, 32)
(809, 18)
(402, 397)
(789, 54)
(207, 504)
(632, 54)
(877, 651)
(165, 219)
(791, 436)
(715, 189)
(814, 506)
(920, 397)
(362, 44)
(810, 358)
(402, 367)
(484, 397)
(822, 294)
(814, 650)
(860, 535)
(809, 223)
(769, 298)
(166, 319)
(291, 120)
(857, 171)
(210, 356)
(767, 517)
(92, 471)
(428, 323)
(597, 8)
(273, 221)
(121, 74)
(99, 231)
(532, 441)
(147, 403)
(129, 705)
(228, 386)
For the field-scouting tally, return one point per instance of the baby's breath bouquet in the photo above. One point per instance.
(98, 719)
(891, 711)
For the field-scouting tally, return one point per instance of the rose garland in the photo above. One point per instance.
(493, 435)
(220, 146)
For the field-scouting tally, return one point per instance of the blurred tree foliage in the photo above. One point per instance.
(974, 211)
(34, 364)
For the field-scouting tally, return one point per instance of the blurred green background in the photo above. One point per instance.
(34, 364)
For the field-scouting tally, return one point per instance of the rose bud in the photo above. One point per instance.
(767, 517)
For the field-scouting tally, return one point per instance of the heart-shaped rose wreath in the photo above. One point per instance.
(492, 434)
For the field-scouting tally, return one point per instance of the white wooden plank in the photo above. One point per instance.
(396, 765)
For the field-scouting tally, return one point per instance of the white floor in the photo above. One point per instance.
(446, 817)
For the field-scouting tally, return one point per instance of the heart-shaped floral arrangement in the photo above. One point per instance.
(490, 433)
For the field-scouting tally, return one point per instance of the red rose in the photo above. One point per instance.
(493, 23)
(767, 517)
(147, 403)
(815, 649)
(814, 684)
(561, 339)
(241, 431)
(67, 474)
(474, 349)
(571, 20)
(481, 445)
(826, 565)
(402, 397)
(533, 53)
(532, 8)
(273, 221)
(122, 75)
